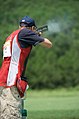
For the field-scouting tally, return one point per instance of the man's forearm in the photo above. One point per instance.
(46, 43)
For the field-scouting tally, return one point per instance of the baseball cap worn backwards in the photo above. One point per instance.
(29, 22)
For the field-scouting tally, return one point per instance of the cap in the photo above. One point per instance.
(29, 22)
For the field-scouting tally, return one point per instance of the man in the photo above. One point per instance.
(16, 50)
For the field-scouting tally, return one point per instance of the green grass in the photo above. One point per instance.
(57, 104)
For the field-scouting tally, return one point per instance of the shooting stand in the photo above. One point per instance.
(23, 111)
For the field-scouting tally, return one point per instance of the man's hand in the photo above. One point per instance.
(39, 33)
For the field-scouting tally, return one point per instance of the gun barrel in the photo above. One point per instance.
(42, 28)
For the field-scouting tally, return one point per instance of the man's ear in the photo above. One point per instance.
(32, 27)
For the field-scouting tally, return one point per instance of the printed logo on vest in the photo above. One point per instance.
(7, 49)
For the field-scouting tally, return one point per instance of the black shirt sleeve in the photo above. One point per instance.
(27, 37)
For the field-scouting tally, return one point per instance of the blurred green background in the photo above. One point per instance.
(53, 68)
(47, 68)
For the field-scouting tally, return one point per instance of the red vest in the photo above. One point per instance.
(13, 60)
